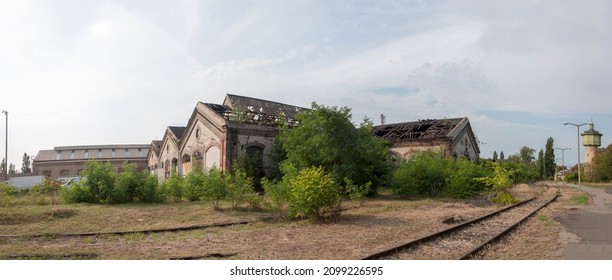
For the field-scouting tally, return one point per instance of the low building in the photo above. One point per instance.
(69, 161)
(451, 137)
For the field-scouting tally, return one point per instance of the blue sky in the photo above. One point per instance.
(104, 72)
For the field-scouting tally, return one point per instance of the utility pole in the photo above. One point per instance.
(578, 143)
(5, 112)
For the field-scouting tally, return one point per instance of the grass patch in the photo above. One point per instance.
(133, 237)
(579, 200)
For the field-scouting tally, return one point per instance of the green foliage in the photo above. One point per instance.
(422, 175)
(195, 184)
(356, 192)
(215, 188)
(521, 172)
(278, 194)
(48, 188)
(252, 166)
(99, 184)
(504, 198)
(549, 158)
(239, 188)
(500, 179)
(494, 155)
(174, 188)
(526, 154)
(314, 194)
(460, 181)
(6, 194)
(540, 164)
(499, 182)
(327, 138)
(602, 165)
(26, 163)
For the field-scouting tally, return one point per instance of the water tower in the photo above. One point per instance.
(591, 139)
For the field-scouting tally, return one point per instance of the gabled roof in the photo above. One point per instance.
(429, 129)
(177, 131)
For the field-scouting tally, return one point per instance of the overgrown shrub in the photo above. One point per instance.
(314, 194)
(99, 184)
(356, 192)
(6, 194)
(49, 188)
(278, 194)
(460, 181)
(194, 184)
(215, 188)
(422, 175)
(498, 183)
(173, 189)
(239, 188)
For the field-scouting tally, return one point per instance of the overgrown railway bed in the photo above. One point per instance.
(464, 241)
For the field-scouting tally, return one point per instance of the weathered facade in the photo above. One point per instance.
(219, 134)
(451, 137)
(69, 161)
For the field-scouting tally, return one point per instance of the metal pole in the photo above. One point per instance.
(578, 144)
(6, 148)
(563, 158)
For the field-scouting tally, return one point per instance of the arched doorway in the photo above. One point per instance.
(186, 164)
(213, 157)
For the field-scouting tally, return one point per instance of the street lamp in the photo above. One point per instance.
(6, 148)
(578, 144)
(563, 158)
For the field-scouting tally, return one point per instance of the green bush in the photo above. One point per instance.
(174, 189)
(215, 188)
(99, 180)
(76, 193)
(278, 194)
(49, 188)
(460, 181)
(195, 183)
(99, 184)
(314, 194)
(357, 192)
(422, 175)
(6, 194)
(239, 188)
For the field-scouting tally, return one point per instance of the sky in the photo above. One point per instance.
(119, 72)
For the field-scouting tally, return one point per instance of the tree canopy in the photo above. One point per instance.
(326, 137)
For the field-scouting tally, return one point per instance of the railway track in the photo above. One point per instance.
(464, 241)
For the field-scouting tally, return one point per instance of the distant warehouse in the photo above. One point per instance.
(69, 161)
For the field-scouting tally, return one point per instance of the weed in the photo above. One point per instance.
(579, 200)
(133, 237)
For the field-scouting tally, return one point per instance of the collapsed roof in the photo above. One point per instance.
(242, 109)
(429, 129)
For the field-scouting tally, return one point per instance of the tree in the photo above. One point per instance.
(25, 165)
(501, 155)
(526, 154)
(549, 158)
(540, 163)
(11, 169)
(327, 138)
(602, 164)
(494, 155)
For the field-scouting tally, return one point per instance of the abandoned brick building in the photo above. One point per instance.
(219, 134)
(451, 137)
